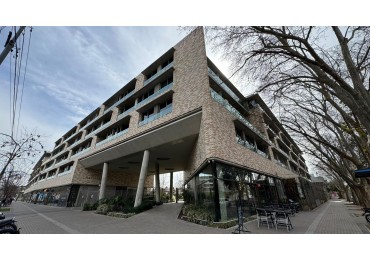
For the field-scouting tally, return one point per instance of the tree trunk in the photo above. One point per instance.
(355, 197)
(362, 195)
(347, 194)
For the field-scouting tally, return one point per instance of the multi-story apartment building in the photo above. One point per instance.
(180, 114)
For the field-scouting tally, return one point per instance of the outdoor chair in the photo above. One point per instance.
(282, 219)
(264, 217)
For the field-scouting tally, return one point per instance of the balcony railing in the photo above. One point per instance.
(281, 164)
(57, 154)
(81, 152)
(155, 94)
(122, 115)
(159, 73)
(120, 101)
(98, 129)
(65, 172)
(72, 135)
(237, 114)
(162, 113)
(75, 143)
(252, 148)
(60, 162)
(222, 85)
(110, 138)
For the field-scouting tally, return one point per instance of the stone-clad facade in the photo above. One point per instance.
(185, 114)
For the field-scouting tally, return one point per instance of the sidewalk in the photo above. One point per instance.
(333, 217)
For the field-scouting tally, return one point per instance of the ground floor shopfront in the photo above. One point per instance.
(220, 187)
(78, 195)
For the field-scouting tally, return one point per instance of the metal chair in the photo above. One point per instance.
(282, 219)
(264, 217)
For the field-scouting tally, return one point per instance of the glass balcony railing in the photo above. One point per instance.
(81, 152)
(122, 115)
(155, 94)
(252, 147)
(110, 138)
(120, 101)
(65, 172)
(71, 136)
(159, 73)
(98, 129)
(237, 114)
(60, 162)
(281, 164)
(162, 113)
(222, 85)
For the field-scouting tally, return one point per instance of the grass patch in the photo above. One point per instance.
(4, 209)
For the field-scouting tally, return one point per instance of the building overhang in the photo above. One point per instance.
(169, 133)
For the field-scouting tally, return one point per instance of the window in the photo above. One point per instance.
(148, 113)
(146, 95)
(165, 104)
(166, 82)
(169, 61)
(151, 74)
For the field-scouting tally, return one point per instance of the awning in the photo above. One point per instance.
(363, 173)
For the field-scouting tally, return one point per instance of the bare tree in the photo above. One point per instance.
(334, 60)
(321, 128)
(14, 151)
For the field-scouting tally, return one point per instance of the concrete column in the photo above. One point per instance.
(103, 183)
(141, 183)
(157, 185)
(171, 185)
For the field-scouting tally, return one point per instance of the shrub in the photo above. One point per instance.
(120, 215)
(145, 205)
(103, 209)
(86, 207)
(94, 206)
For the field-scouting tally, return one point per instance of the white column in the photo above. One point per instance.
(103, 183)
(141, 183)
(157, 185)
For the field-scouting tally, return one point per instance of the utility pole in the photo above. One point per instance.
(9, 45)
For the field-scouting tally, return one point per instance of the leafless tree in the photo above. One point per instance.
(18, 151)
(335, 60)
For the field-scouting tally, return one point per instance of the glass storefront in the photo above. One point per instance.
(220, 188)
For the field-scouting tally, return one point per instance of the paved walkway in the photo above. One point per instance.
(333, 217)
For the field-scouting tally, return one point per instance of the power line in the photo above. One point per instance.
(24, 77)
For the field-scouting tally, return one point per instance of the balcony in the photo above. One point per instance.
(65, 172)
(122, 115)
(98, 129)
(72, 135)
(60, 162)
(120, 101)
(153, 117)
(237, 114)
(158, 74)
(81, 152)
(222, 85)
(252, 148)
(112, 137)
(281, 164)
(155, 94)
